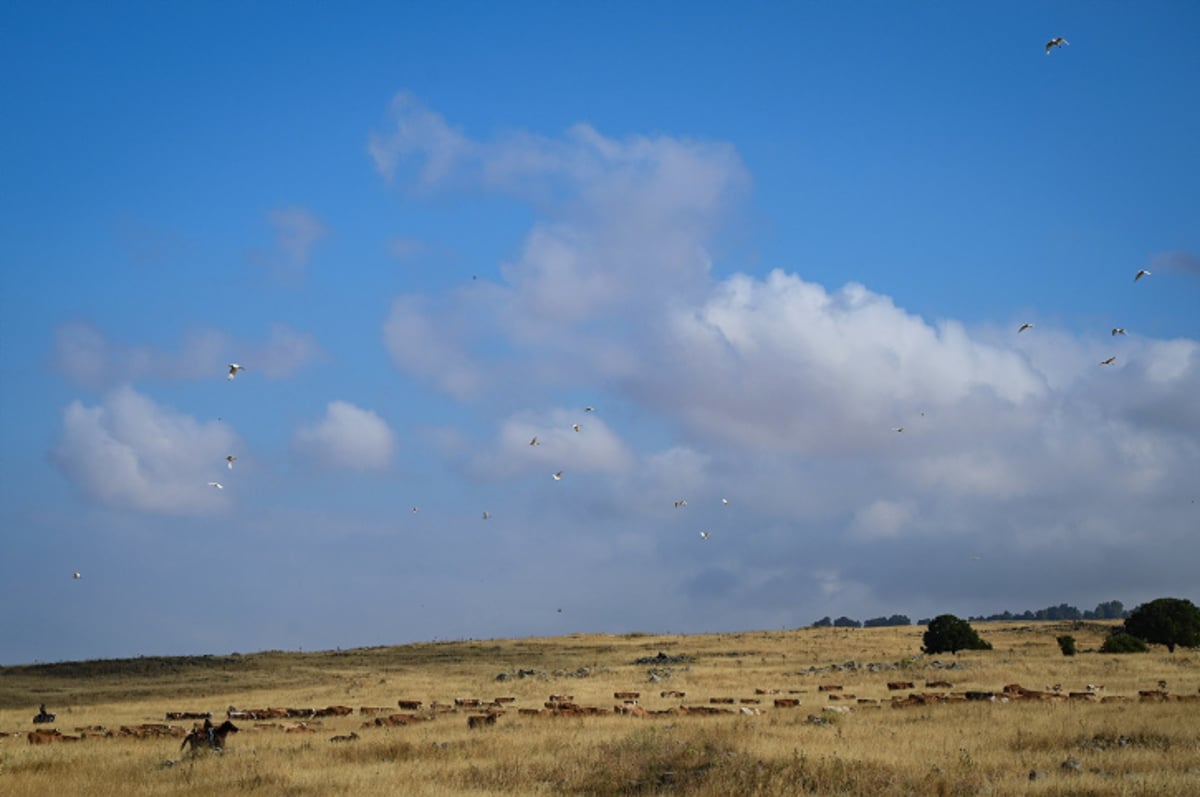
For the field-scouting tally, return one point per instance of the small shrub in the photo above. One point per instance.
(1066, 643)
(1123, 643)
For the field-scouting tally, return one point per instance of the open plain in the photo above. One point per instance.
(750, 713)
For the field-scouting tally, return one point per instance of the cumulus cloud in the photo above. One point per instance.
(783, 391)
(132, 453)
(348, 437)
(88, 357)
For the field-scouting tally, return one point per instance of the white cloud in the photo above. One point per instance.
(132, 453)
(348, 437)
(417, 130)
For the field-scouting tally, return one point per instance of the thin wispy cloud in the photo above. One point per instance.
(297, 231)
(1177, 262)
(87, 357)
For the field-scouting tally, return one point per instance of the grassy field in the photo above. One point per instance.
(955, 748)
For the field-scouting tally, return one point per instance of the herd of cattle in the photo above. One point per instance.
(482, 713)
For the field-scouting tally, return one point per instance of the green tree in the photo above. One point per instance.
(949, 634)
(1066, 643)
(1166, 621)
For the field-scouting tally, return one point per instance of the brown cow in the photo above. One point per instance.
(721, 700)
(829, 688)
(334, 711)
(44, 736)
(938, 685)
(786, 702)
(672, 693)
(480, 720)
(626, 695)
(409, 705)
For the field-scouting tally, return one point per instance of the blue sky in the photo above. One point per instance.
(755, 241)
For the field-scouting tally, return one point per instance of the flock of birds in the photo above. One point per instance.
(558, 475)
(1115, 330)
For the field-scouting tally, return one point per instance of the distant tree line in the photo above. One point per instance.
(1173, 622)
(1109, 610)
(874, 622)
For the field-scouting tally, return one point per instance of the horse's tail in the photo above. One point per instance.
(186, 739)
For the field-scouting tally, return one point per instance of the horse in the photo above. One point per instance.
(43, 717)
(198, 737)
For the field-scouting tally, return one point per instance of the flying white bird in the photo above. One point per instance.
(557, 476)
(1058, 41)
(534, 441)
(234, 368)
(487, 515)
(1109, 361)
(724, 502)
(218, 485)
(1024, 327)
(1141, 273)
(704, 535)
(680, 504)
(229, 461)
(897, 428)
(76, 575)
(1118, 331)
(575, 426)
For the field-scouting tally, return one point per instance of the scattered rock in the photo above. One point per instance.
(663, 658)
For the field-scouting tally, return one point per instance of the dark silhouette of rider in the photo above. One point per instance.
(208, 731)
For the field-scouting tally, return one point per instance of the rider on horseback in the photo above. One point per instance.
(208, 732)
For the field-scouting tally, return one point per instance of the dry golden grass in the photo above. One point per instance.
(949, 749)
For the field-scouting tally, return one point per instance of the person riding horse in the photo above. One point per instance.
(208, 737)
